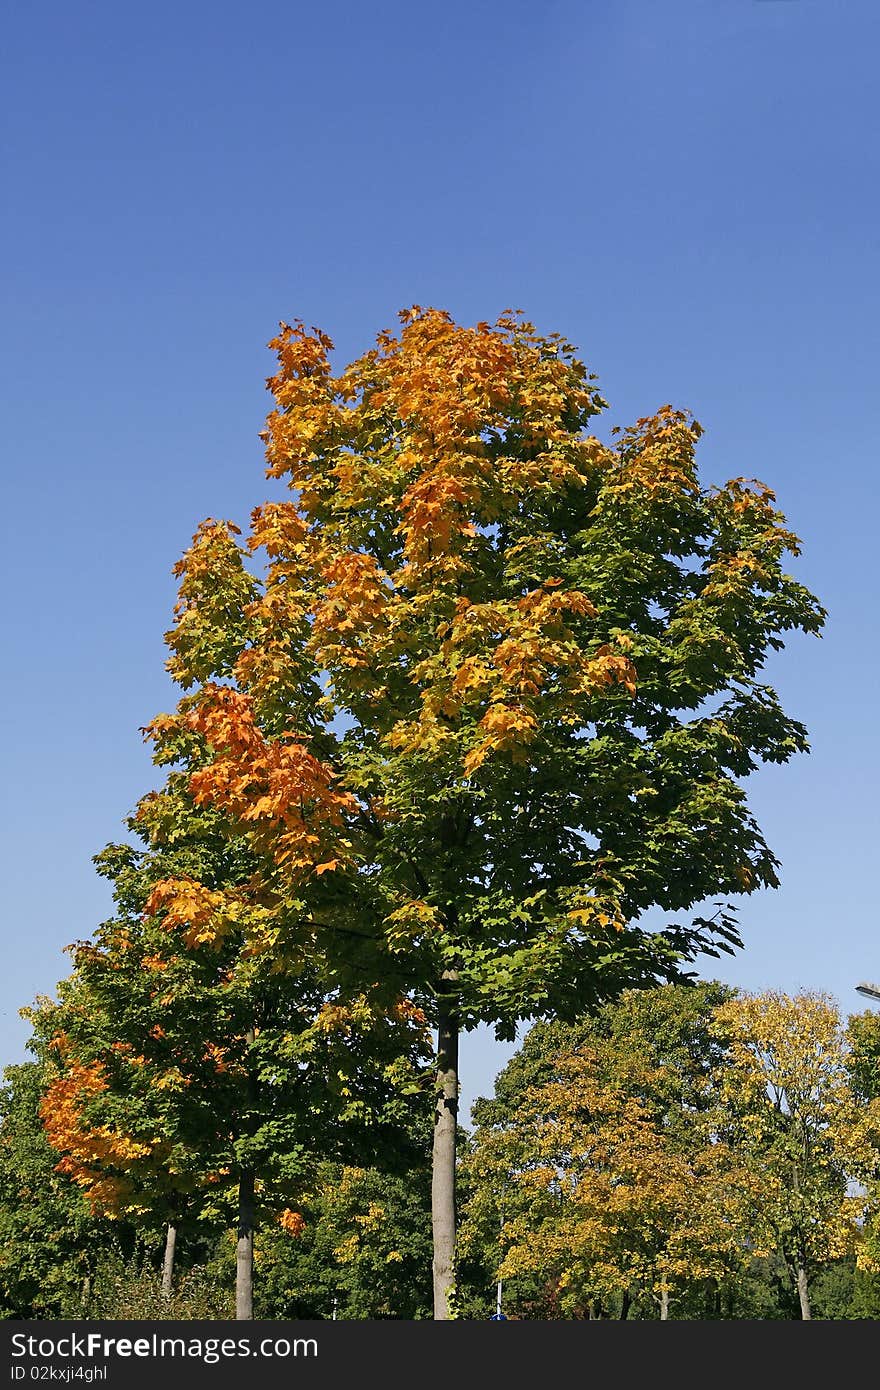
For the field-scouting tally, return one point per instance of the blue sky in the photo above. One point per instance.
(688, 191)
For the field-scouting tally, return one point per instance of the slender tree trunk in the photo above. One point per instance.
(797, 1263)
(664, 1301)
(625, 1302)
(168, 1262)
(803, 1290)
(86, 1294)
(244, 1254)
(443, 1166)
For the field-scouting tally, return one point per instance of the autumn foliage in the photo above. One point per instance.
(450, 689)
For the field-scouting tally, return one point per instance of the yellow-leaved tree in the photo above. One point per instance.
(606, 1195)
(791, 1110)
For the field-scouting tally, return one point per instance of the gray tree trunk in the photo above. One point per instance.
(168, 1262)
(803, 1289)
(800, 1273)
(664, 1301)
(244, 1254)
(443, 1163)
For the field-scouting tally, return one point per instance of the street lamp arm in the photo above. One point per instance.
(871, 991)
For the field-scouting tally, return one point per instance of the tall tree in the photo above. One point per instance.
(492, 690)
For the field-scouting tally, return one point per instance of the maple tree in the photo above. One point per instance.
(196, 1077)
(790, 1107)
(50, 1242)
(481, 690)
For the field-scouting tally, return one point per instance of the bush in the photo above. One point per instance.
(132, 1290)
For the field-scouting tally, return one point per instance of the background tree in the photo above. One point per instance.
(493, 691)
(792, 1112)
(845, 1290)
(863, 1062)
(364, 1251)
(863, 1057)
(595, 1182)
(661, 1045)
(601, 1201)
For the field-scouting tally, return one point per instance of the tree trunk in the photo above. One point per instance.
(800, 1273)
(803, 1292)
(443, 1165)
(168, 1262)
(625, 1302)
(664, 1301)
(244, 1254)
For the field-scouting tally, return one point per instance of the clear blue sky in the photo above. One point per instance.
(688, 191)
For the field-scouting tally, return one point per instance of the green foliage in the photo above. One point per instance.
(863, 1034)
(665, 1032)
(843, 1292)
